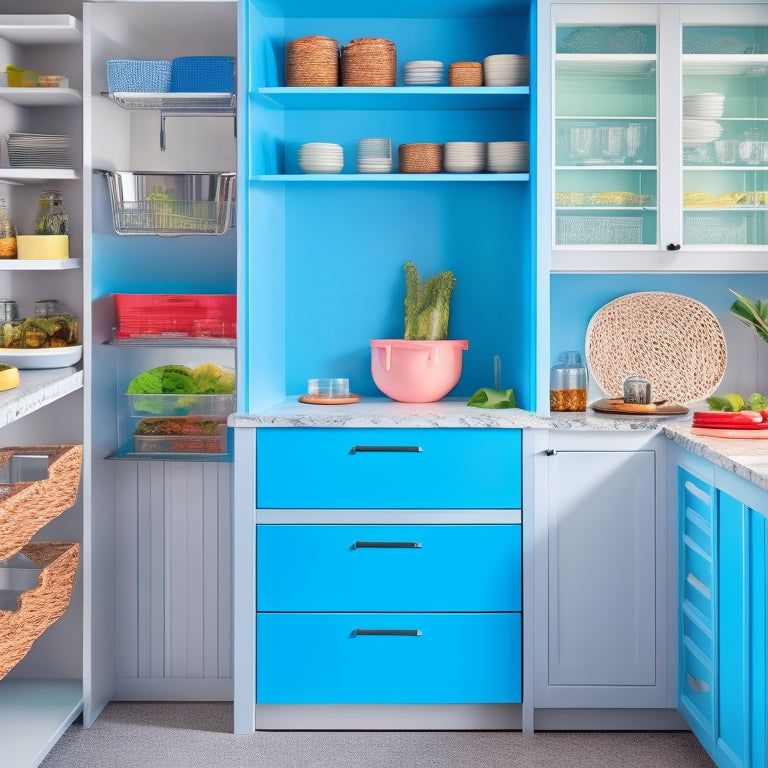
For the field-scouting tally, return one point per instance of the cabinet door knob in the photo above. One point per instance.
(673, 246)
(550, 452)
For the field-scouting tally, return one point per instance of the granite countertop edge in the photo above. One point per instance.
(745, 458)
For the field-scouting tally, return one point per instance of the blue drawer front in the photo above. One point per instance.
(388, 468)
(349, 658)
(388, 568)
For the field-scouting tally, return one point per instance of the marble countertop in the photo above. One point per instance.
(37, 388)
(746, 458)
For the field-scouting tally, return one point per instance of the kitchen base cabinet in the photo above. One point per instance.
(602, 564)
(407, 615)
(722, 611)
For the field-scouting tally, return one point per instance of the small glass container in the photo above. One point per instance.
(8, 310)
(568, 384)
(7, 233)
(52, 217)
(47, 307)
(328, 387)
(637, 390)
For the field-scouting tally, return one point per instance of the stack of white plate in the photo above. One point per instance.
(34, 150)
(374, 155)
(464, 156)
(321, 157)
(700, 131)
(706, 106)
(507, 156)
(424, 72)
(506, 69)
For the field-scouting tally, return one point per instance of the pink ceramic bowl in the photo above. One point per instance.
(416, 371)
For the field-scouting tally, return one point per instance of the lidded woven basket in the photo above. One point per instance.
(421, 158)
(312, 61)
(466, 73)
(369, 61)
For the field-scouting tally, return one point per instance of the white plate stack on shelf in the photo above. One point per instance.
(704, 106)
(506, 69)
(423, 72)
(697, 132)
(321, 157)
(700, 114)
(35, 150)
(508, 156)
(464, 156)
(374, 155)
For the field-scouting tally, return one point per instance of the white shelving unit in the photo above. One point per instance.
(44, 693)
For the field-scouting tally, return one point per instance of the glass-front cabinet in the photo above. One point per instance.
(660, 137)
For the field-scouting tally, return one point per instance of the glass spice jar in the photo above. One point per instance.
(52, 217)
(7, 233)
(568, 384)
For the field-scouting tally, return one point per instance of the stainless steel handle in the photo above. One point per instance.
(385, 449)
(386, 545)
(387, 632)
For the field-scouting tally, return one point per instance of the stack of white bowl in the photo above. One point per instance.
(506, 69)
(424, 72)
(321, 157)
(508, 156)
(464, 156)
(374, 155)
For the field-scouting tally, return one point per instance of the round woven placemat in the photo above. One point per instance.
(673, 340)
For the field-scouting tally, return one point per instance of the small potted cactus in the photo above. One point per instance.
(423, 366)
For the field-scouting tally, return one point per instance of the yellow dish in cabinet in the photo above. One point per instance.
(9, 376)
(42, 246)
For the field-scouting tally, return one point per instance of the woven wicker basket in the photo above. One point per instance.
(369, 61)
(311, 62)
(25, 507)
(421, 158)
(673, 340)
(465, 73)
(39, 607)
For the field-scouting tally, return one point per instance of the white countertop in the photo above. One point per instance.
(37, 388)
(747, 458)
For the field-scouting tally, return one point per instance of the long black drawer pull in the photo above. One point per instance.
(385, 449)
(388, 632)
(386, 545)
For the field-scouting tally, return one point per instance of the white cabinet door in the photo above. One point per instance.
(602, 624)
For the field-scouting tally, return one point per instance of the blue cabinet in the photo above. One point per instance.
(324, 253)
(373, 611)
(722, 618)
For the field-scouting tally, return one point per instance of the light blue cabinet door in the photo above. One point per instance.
(348, 658)
(733, 607)
(372, 468)
(388, 568)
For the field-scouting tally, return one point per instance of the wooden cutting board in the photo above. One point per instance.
(741, 434)
(617, 405)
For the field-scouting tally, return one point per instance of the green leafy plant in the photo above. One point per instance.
(751, 313)
(427, 304)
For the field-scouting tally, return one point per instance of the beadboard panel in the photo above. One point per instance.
(174, 581)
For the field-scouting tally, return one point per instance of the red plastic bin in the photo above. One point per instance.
(147, 315)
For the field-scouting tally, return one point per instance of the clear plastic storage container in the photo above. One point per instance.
(568, 384)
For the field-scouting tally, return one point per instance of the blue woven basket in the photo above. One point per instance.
(203, 74)
(138, 75)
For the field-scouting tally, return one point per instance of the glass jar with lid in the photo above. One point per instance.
(568, 384)
(7, 233)
(52, 217)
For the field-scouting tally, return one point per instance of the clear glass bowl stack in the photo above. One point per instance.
(374, 155)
